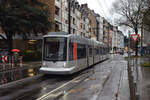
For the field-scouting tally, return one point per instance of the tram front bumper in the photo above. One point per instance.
(57, 70)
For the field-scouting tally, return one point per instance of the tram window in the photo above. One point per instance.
(97, 51)
(81, 51)
(70, 51)
(90, 51)
(55, 49)
(102, 51)
(105, 51)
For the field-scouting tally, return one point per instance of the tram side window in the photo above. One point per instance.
(70, 51)
(102, 51)
(81, 51)
(97, 51)
(90, 51)
(105, 51)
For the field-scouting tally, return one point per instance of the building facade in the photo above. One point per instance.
(84, 22)
(92, 22)
(100, 27)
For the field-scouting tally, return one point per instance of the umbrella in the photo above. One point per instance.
(15, 50)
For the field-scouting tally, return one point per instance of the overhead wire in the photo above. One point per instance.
(103, 12)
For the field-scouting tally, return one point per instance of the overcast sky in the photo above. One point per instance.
(103, 7)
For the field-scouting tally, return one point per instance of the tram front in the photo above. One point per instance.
(54, 60)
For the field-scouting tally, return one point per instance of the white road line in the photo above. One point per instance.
(46, 95)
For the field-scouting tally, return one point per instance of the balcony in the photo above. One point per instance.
(57, 18)
(57, 3)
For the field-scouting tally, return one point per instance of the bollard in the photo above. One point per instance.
(12, 62)
(3, 66)
(9, 60)
(137, 96)
(21, 61)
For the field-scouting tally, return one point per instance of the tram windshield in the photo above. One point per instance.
(55, 49)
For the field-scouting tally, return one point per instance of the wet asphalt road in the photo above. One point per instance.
(86, 85)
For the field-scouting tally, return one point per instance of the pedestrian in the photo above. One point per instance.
(16, 58)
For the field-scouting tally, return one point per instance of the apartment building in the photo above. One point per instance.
(114, 39)
(79, 20)
(92, 22)
(121, 41)
(105, 31)
(100, 27)
(58, 14)
(146, 40)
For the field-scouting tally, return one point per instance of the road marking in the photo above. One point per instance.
(46, 95)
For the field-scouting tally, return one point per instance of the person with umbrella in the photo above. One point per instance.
(16, 56)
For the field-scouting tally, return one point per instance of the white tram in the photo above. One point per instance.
(68, 53)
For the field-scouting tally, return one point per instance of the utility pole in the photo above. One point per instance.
(69, 16)
(129, 44)
(142, 31)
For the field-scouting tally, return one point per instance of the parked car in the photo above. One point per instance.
(122, 52)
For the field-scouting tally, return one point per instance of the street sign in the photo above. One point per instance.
(4, 59)
(134, 37)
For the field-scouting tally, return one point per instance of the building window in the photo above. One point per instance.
(74, 21)
(81, 26)
(70, 51)
(73, 10)
(84, 19)
(73, 31)
(84, 26)
(56, 10)
(57, 27)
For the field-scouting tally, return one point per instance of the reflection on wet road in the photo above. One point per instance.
(36, 88)
(17, 74)
(49, 87)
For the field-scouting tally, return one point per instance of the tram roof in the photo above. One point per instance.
(65, 34)
(62, 34)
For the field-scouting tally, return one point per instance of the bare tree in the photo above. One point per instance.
(146, 19)
(131, 14)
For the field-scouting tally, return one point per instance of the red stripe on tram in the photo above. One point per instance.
(74, 51)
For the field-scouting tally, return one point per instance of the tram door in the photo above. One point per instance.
(87, 55)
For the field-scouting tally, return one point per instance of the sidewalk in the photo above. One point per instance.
(117, 86)
(143, 80)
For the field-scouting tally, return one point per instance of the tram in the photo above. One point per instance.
(65, 53)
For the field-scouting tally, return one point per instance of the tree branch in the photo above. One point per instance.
(2, 37)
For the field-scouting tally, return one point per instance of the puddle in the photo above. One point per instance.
(75, 91)
(14, 75)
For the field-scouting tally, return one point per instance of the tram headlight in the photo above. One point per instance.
(64, 64)
(44, 64)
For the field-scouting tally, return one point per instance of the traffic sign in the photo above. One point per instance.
(4, 59)
(134, 37)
